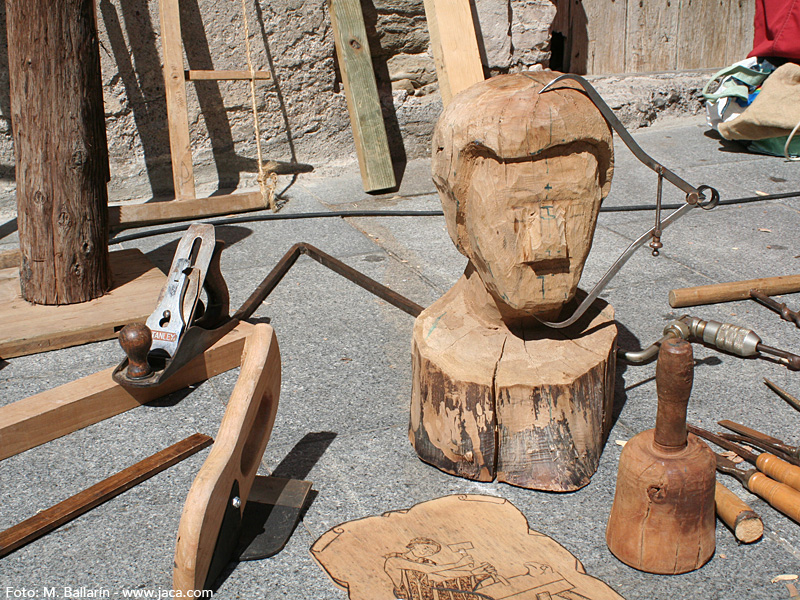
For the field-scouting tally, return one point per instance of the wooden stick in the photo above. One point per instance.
(125, 216)
(454, 44)
(198, 75)
(47, 416)
(175, 87)
(742, 520)
(734, 290)
(55, 516)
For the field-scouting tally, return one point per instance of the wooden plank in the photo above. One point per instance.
(363, 103)
(651, 36)
(125, 216)
(703, 35)
(604, 48)
(30, 328)
(454, 45)
(71, 508)
(740, 30)
(477, 546)
(200, 75)
(177, 112)
(38, 419)
(235, 458)
(9, 258)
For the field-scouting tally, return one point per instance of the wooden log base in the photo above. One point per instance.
(532, 409)
(29, 328)
(453, 548)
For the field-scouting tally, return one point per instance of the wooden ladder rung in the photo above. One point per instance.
(193, 75)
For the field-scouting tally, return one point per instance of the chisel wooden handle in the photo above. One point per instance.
(779, 495)
(740, 518)
(779, 469)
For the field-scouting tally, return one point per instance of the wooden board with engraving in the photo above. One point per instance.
(453, 548)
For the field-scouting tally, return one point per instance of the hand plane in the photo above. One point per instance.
(182, 325)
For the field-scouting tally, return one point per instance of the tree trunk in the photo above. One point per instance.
(61, 153)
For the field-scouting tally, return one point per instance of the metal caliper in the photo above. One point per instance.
(695, 197)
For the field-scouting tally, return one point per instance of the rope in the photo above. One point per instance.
(789, 141)
(267, 183)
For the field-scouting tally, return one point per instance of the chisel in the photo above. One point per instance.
(778, 495)
(767, 463)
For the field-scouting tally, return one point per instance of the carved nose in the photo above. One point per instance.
(546, 237)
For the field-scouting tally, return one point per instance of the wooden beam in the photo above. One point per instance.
(363, 104)
(454, 45)
(125, 216)
(30, 328)
(177, 113)
(199, 75)
(71, 508)
(9, 258)
(54, 413)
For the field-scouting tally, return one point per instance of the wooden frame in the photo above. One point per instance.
(186, 204)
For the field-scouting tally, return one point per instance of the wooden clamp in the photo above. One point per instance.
(209, 528)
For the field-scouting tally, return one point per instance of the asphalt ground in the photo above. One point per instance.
(346, 381)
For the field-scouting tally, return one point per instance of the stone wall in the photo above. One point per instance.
(302, 114)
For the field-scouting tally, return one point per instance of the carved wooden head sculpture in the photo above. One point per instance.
(521, 176)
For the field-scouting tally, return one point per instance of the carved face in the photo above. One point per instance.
(521, 176)
(530, 225)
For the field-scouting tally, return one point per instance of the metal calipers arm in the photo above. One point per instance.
(695, 197)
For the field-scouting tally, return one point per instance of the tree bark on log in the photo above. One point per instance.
(532, 408)
(61, 151)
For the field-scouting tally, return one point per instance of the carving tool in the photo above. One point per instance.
(695, 197)
(738, 516)
(767, 463)
(762, 440)
(727, 337)
(794, 402)
(785, 313)
(778, 495)
(662, 518)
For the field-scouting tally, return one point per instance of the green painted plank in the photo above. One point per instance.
(358, 77)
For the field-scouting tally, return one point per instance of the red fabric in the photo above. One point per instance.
(777, 29)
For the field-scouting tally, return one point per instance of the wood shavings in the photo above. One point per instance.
(765, 230)
(733, 456)
(787, 577)
(793, 593)
(761, 193)
(621, 442)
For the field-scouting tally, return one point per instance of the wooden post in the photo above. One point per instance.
(61, 152)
